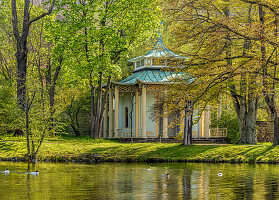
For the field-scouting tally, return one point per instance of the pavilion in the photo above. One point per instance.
(131, 100)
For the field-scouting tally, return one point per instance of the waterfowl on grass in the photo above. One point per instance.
(149, 168)
(6, 171)
(165, 175)
(220, 174)
(35, 173)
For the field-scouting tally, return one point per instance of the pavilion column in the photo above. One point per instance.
(116, 112)
(219, 111)
(165, 123)
(201, 135)
(137, 114)
(110, 115)
(105, 122)
(157, 115)
(206, 122)
(182, 116)
(143, 112)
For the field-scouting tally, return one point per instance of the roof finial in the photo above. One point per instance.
(160, 46)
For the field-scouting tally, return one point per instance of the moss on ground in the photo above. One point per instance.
(89, 150)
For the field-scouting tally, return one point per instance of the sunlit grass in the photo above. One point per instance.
(61, 148)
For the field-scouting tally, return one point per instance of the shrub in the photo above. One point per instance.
(227, 120)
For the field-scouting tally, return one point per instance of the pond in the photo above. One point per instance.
(134, 181)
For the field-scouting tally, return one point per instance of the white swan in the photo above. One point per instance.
(6, 171)
(35, 173)
(220, 174)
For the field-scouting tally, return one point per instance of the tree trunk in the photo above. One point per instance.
(246, 100)
(92, 110)
(97, 125)
(51, 92)
(27, 130)
(27, 107)
(20, 36)
(97, 111)
(76, 131)
(270, 101)
(74, 119)
(21, 45)
(247, 121)
(104, 102)
(21, 57)
(188, 122)
(276, 130)
(268, 88)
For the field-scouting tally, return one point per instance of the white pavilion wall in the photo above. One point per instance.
(196, 129)
(125, 101)
(121, 110)
(150, 123)
(196, 126)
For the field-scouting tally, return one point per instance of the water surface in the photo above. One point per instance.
(134, 181)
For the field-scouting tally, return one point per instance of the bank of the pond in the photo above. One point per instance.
(86, 149)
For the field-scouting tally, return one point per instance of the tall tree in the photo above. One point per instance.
(205, 31)
(20, 33)
(45, 55)
(101, 33)
(269, 64)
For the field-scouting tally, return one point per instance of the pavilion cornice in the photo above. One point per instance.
(137, 82)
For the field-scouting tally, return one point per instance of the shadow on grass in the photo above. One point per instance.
(179, 152)
(152, 152)
(102, 154)
(269, 148)
(102, 149)
(71, 139)
(253, 157)
(248, 150)
(145, 152)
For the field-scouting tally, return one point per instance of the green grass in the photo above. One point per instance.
(87, 149)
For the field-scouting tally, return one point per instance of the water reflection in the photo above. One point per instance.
(134, 181)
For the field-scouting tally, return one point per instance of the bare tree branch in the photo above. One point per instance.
(44, 14)
(14, 20)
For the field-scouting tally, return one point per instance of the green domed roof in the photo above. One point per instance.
(148, 75)
(159, 50)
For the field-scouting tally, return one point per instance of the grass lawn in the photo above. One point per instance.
(87, 149)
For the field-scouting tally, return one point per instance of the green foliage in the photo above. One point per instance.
(102, 33)
(76, 112)
(227, 120)
(10, 116)
(222, 41)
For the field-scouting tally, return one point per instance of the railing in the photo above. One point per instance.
(195, 134)
(218, 132)
(126, 133)
(213, 133)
